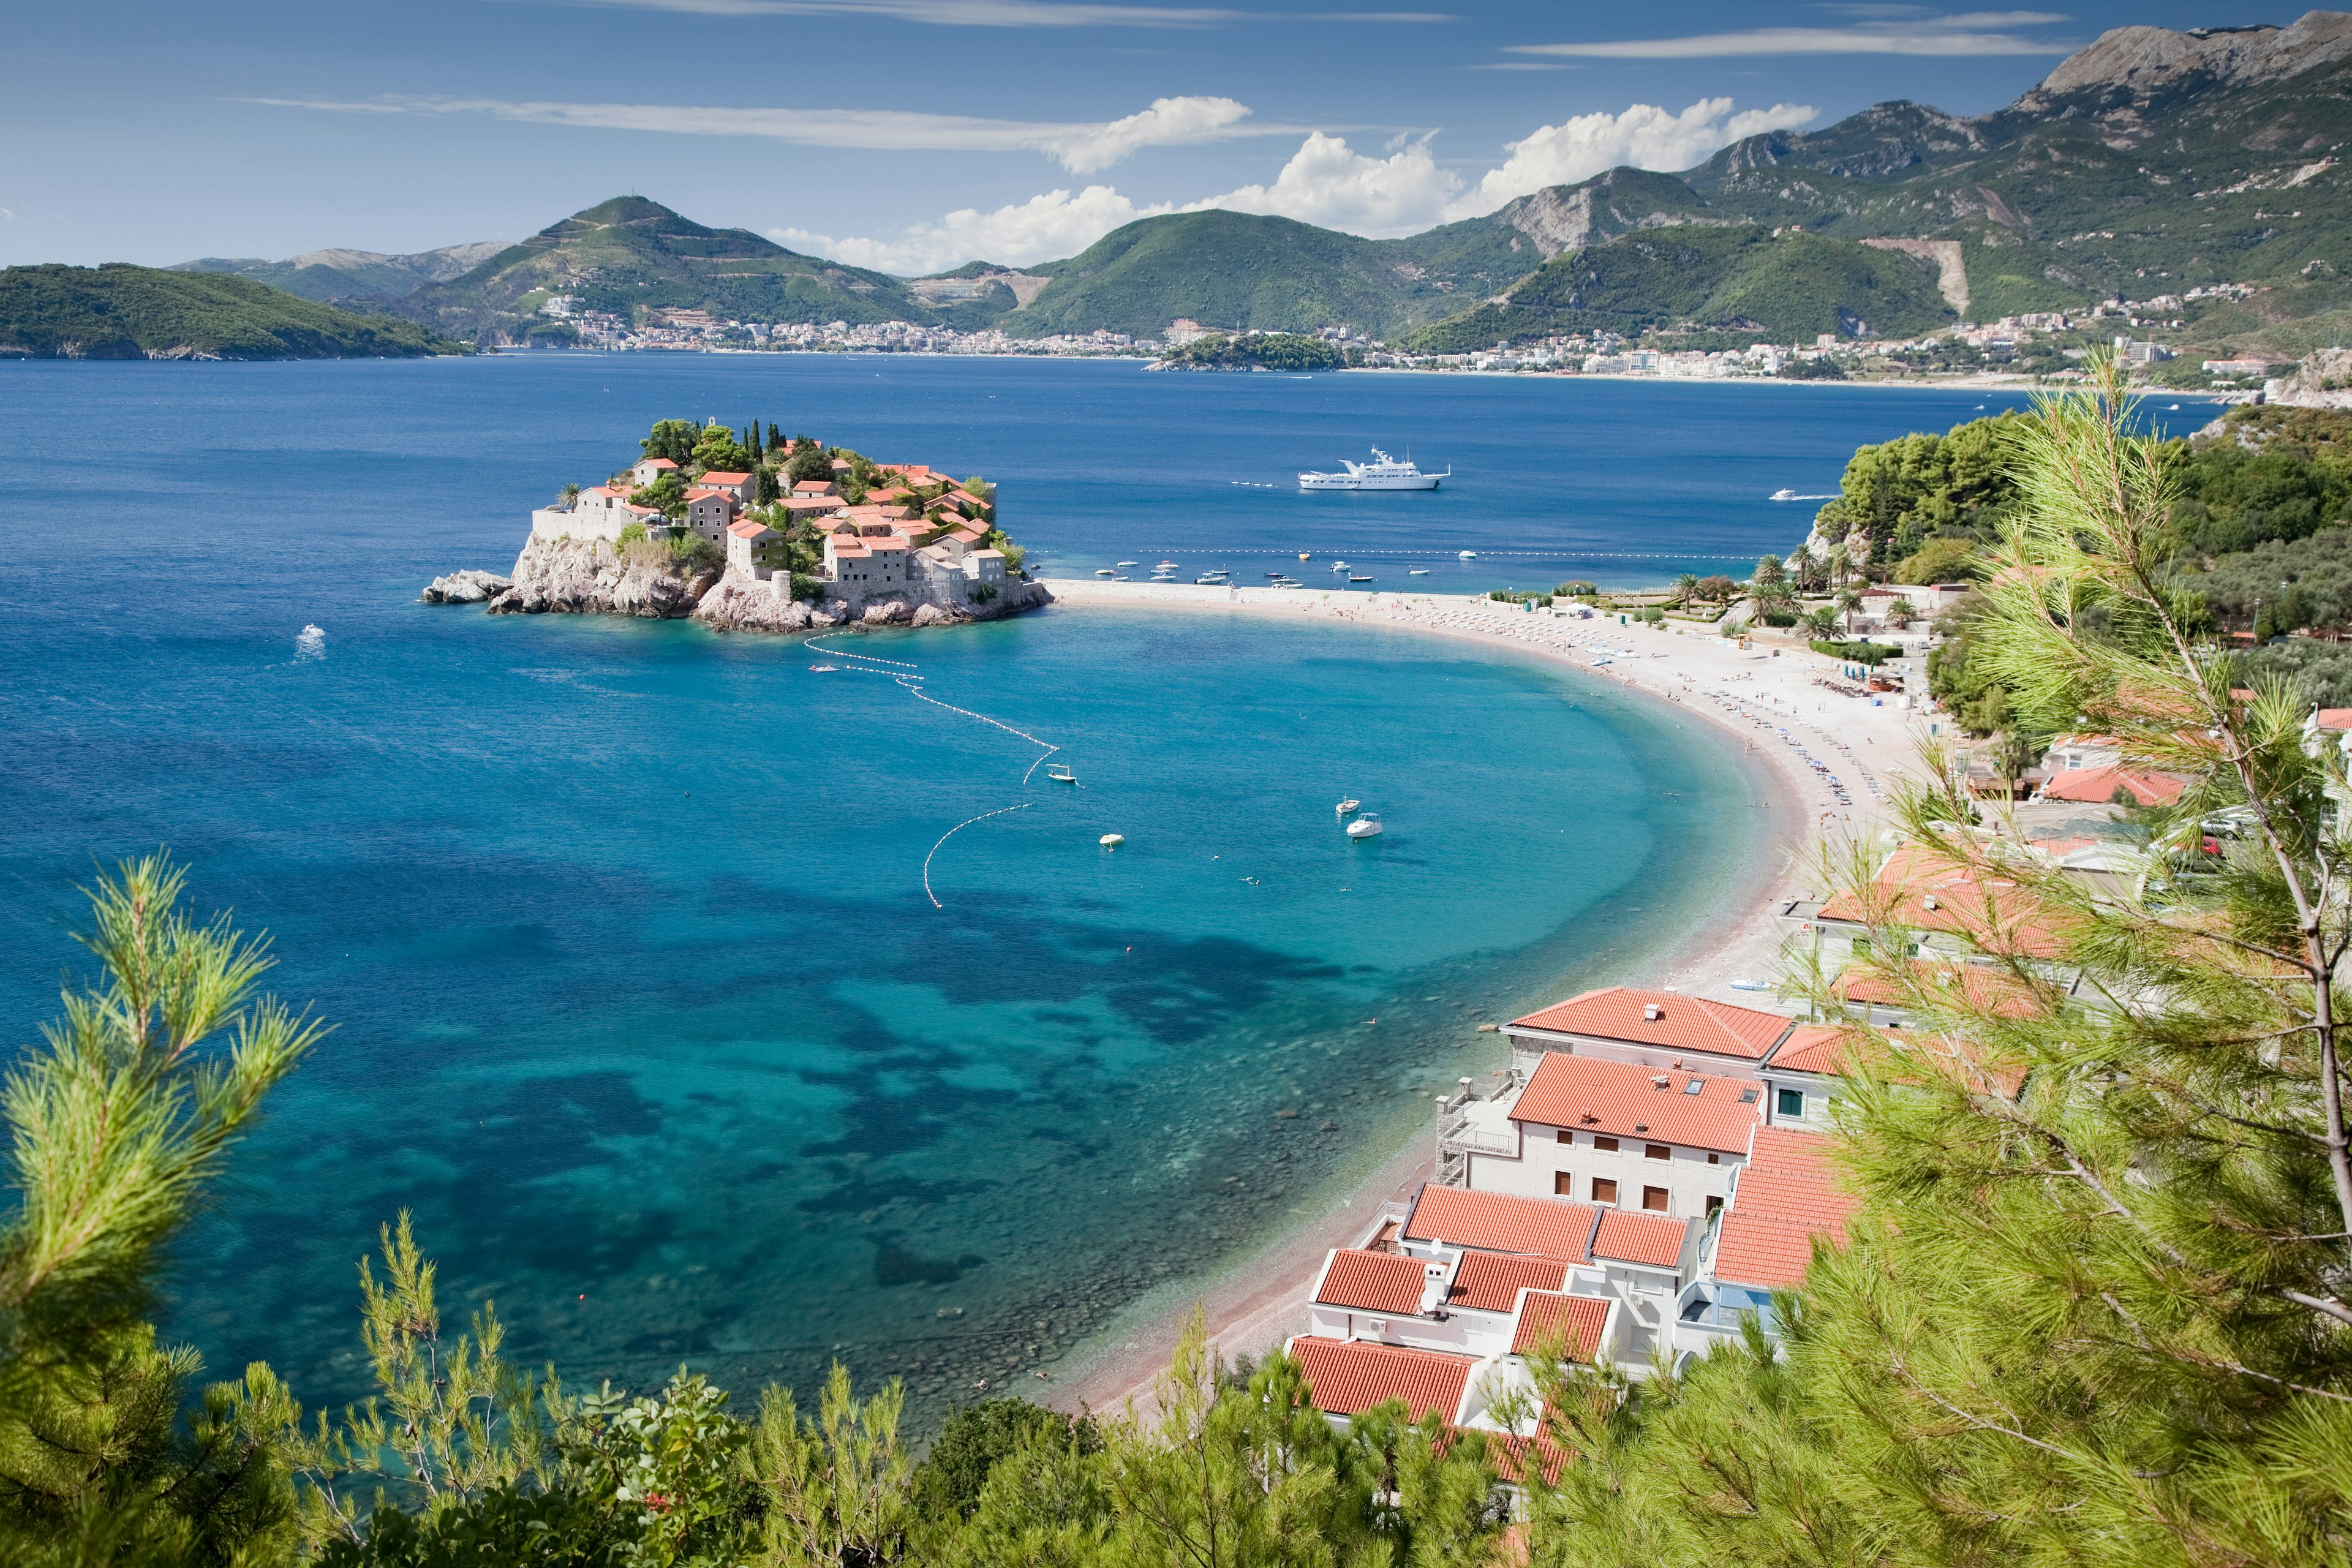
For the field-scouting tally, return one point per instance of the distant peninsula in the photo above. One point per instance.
(121, 312)
(748, 531)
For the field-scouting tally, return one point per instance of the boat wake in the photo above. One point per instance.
(309, 644)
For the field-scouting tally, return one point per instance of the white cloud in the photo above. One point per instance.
(1329, 184)
(1644, 136)
(1326, 183)
(1043, 228)
(1967, 34)
(1082, 147)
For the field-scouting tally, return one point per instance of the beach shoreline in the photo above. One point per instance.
(1257, 1300)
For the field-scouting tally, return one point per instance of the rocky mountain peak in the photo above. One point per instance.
(2149, 60)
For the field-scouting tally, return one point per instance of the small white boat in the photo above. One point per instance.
(1345, 806)
(821, 669)
(1130, 563)
(1784, 493)
(1338, 567)
(1060, 773)
(1165, 566)
(1469, 555)
(1368, 826)
(1104, 572)
(1112, 840)
(1358, 577)
(1418, 571)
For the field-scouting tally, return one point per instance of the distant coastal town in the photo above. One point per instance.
(2036, 346)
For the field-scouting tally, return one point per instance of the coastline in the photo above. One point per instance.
(1255, 1301)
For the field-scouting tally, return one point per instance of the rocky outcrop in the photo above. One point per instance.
(2322, 380)
(466, 588)
(586, 577)
(740, 604)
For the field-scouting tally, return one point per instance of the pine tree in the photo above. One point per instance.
(2096, 1306)
(118, 1123)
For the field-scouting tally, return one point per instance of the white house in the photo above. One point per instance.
(753, 548)
(740, 486)
(599, 512)
(1650, 1028)
(648, 469)
(1617, 1134)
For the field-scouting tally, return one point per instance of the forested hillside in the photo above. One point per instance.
(119, 311)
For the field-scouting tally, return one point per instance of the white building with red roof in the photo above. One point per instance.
(1788, 1201)
(1656, 1140)
(647, 470)
(1649, 1028)
(753, 548)
(740, 486)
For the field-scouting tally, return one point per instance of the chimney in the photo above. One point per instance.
(1931, 900)
(1437, 1271)
(1652, 1012)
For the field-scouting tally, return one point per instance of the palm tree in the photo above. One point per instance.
(1848, 602)
(1685, 587)
(1822, 620)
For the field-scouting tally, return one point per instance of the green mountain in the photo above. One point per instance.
(367, 277)
(1744, 278)
(119, 311)
(630, 256)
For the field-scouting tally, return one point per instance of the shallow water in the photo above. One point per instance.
(641, 1003)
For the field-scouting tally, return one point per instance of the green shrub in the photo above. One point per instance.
(809, 588)
(1870, 653)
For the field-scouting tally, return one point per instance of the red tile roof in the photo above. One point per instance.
(1919, 889)
(1572, 1322)
(1633, 1235)
(653, 463)
(1372, 1282)
(726, 479)
(814, 487)
(1497, 1222)
(1979, 983)
(1810, 1047)
(1833, 1052)
(1625, 1099)
(1769, 1253)
(748, 528)
(2099, 786)
(1348, 1377)
(1490, 1282)
(2335, 718)
(852, 549)
(1787, 1194)
(1685, 1023)
(1508, 1455)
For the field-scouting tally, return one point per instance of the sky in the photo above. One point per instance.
(914, 135)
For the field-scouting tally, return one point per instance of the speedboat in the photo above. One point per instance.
(1125, 564)
(1367, 826)
(1338, 567)
(1165, 566)
(1112, 840)
(1358, 577)
(1345, 806)
(1469, 555)
(1418, 571)
(1104, 572)
(1212, 580)
(1060, 773)
(1784, 493)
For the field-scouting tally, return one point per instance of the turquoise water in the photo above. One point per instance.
(642, 1004)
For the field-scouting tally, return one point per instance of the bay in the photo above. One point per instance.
(643, 1005)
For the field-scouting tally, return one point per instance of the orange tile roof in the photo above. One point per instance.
(703, 492)
(852, 549)
(1920, 889)
(2335, 718)
(1623, 1099)
(1508, 1455)
(654, 463)
(1633, 1235)
(1348, 1377)
(1984, 986)
(1497, 1222)
(814, 487)
(726, 479)
(1771, 1254)
(1372, 1282)
(2099, 786)
(1490, 1282)
(1685, 1023)
(1813, 1047)
(1833, 1052)
(1573, 1321)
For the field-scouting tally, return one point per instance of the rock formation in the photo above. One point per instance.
(587, 576)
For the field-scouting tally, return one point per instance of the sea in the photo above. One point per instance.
(749, 1003)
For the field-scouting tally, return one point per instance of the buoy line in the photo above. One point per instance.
(952, 831)
(846, 653)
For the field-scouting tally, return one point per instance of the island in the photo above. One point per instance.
(119, 311)
(747, 533)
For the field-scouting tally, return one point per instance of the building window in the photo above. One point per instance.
(1713, 1204)
(1603, 1191)
(1563, 1184)
(1654, 1199)
(1713, 1158)
(1606, 1145)
(1563, 1136)
(1792, 1102)
(1658, 1151)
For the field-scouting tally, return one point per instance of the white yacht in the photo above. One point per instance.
(1784, 493)
(1366, 825)
(1382, 473)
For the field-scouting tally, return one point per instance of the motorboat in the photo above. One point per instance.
(1784, 493)
(1469, 555)
(1112, 840)
(1060, 773)
(1358, 577)
(1104, 572)
(1212, 581)
(1338, 567)
(1165, 566)
(1367, 826)
(1303, 555)
(1345, 806)
(1418, 571)
(1125, 563)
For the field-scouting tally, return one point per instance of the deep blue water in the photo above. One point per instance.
(641, 1003)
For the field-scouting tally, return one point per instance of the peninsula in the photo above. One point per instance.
(751, 533)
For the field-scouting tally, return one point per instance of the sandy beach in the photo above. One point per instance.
(1768, 695)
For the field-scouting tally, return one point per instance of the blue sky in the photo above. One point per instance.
(916, 134)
